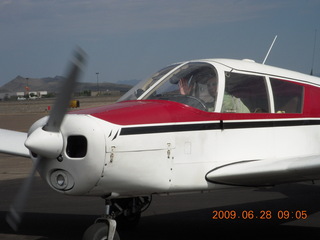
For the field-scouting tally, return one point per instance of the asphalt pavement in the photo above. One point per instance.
(259, 214)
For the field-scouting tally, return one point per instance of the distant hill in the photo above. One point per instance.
(132, 82)
(52, 85)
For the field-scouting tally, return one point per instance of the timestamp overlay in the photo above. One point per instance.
(260, 214)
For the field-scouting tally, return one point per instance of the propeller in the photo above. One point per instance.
(47, 141)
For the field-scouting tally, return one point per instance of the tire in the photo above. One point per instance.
(98, 231)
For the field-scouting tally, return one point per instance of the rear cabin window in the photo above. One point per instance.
(245, 94)
(288, 96)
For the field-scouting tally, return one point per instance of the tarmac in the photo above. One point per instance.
(290, 211)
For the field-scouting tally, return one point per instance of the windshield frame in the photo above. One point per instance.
(138, 91)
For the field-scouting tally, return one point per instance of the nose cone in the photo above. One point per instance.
(81, 148)
(44, 143)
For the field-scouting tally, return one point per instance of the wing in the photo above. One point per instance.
(267, 172)
(12, 142)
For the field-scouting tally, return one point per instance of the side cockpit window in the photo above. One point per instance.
(245, 94)
(288, 96)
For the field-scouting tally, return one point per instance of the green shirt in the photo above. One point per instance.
(231, 104)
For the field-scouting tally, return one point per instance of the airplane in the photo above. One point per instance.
(193, 126)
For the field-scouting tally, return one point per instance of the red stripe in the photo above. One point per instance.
(147, 112)
(159, 111)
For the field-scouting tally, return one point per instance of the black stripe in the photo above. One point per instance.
(169, 128)
(222, 125)
(262, 124)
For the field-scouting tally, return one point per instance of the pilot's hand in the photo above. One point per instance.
(184, 87)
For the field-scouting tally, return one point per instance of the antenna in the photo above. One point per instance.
(265, 59)
(314, 50)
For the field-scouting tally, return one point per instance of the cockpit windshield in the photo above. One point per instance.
(193, 84)
(135, 92)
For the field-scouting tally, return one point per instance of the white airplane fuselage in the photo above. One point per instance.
(148, 145)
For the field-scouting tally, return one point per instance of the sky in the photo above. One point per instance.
(131, 39)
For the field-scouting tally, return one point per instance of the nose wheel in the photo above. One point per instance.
(101, 231)
(125, 211)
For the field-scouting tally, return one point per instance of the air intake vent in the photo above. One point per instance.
(77, 146)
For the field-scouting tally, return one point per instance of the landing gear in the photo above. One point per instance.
(127, 212)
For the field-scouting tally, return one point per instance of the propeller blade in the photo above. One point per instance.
(14, 216)
(62, 102)
(47, 142)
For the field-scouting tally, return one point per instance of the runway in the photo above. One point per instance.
(259, 213)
